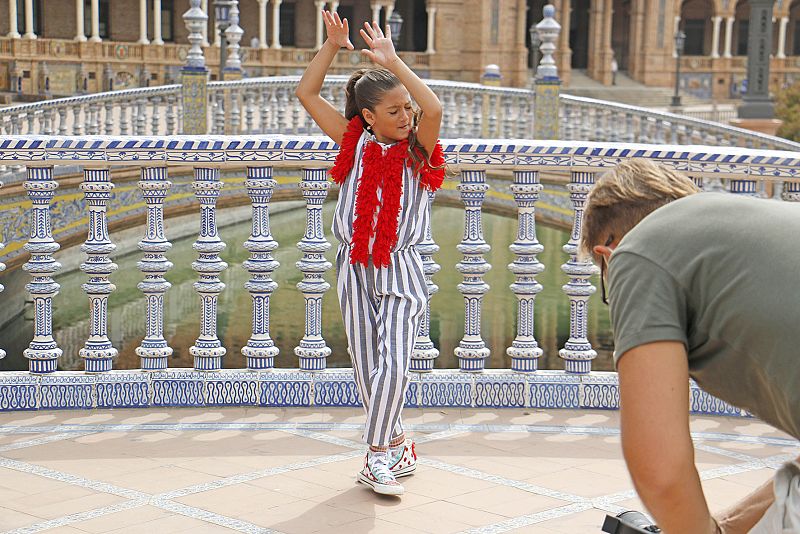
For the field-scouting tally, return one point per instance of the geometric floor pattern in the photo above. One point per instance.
(292, 470)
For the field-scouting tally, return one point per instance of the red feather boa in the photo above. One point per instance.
(384, 170)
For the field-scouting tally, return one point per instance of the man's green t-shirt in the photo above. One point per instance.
(720, 273)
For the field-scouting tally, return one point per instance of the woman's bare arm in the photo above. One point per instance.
(327, 117)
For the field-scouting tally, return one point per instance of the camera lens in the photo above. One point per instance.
(638, 520)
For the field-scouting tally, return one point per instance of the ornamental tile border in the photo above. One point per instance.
(316, 150)
(495, 388)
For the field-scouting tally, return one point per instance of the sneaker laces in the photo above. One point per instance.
(395, 453)
(378, 463)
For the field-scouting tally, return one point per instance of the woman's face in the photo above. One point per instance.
(393, 116)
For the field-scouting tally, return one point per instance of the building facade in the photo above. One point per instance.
(66, 47)
(640, 34)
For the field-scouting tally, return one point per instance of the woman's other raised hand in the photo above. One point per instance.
(381, 47)
(338, 30)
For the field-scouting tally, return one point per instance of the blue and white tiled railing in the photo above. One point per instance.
(267, 105)
(742, 171)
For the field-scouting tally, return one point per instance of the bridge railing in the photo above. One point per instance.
(268, 106)
(741, 171)
(144, 111)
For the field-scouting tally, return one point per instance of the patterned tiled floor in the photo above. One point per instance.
(293, 470)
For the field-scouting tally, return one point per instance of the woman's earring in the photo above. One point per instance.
(369, 129)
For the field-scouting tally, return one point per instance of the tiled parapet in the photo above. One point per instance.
(477, 160)
(499, 388)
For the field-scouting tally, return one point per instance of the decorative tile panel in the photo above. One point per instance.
(440, 389)
(600, 391)
(494, 390)
(702, 402)
(123, 389)
(336, 388)
(178, 387)
(231, 388)
(289, 388)
(554, 389)
(18, 391)
(67, 391)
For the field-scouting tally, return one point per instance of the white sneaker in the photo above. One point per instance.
(404, 459)
(378, 476)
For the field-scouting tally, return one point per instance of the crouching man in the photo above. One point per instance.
(704, 286)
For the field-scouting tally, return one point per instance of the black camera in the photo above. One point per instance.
(630, 522)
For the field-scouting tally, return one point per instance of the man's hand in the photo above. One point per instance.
(654, 406)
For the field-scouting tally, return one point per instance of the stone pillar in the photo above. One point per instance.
(431, 30)
(276, 23)
(675, 32)
(608, 52)
(547, 84)
(389, 10)
(194, 75)
(233, 34)
(782, 38)
(204, 7)
(728, 36)
(757, 107)
(262, 24)
(13, 31)
(95, 38)
(637, 58)
(596, 47)
(142, 21)
(320, 5)
(715, 37)
(29, 20)
(563, 51)
(157, 40)
(376, 12)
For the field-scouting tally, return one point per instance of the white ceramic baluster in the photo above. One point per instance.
(260, 350)
(98, 352)
(154, 352)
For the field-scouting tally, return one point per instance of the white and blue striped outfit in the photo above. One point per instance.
(382, 307)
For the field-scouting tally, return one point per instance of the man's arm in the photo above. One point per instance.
(743, 516)
(654, 406)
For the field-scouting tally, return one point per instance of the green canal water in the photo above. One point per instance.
(182, 308)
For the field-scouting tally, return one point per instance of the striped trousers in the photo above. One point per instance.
(382, 310)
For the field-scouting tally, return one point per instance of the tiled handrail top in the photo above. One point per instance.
(339, 81)
(123, 95)
(309, 151)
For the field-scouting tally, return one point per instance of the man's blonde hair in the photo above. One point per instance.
(625, 195)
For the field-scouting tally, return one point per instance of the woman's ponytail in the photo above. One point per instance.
(350, 105)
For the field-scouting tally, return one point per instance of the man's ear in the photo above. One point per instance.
(602, 250)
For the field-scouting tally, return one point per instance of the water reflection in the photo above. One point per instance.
(182, 308)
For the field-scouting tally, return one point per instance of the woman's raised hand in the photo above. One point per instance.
(338, 30)
(382, 50)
